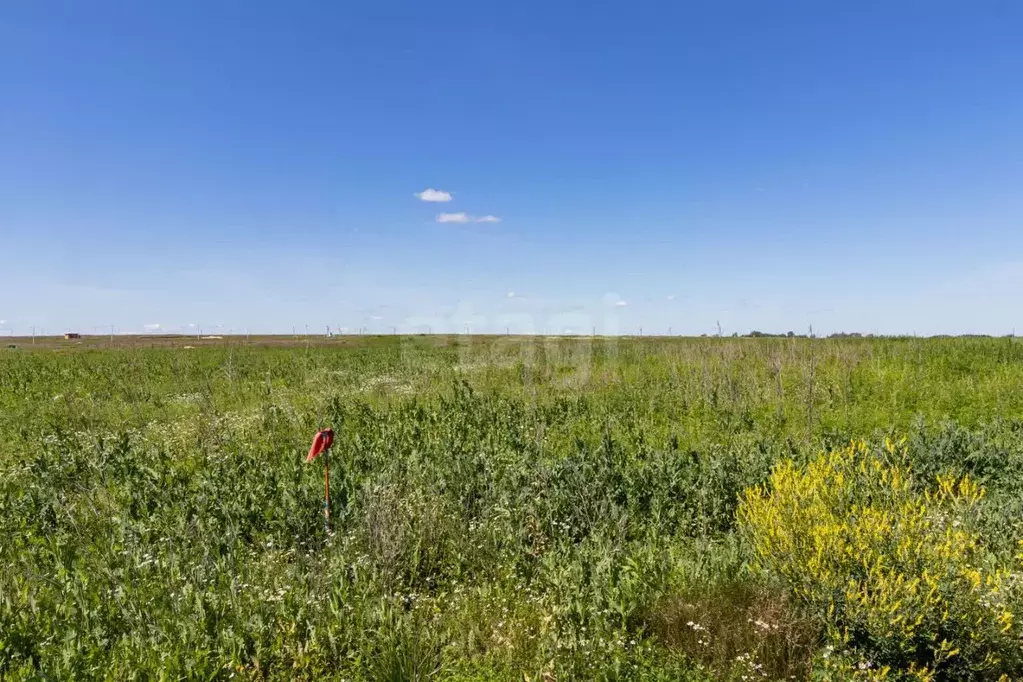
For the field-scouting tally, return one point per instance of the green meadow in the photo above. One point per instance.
(514, 508)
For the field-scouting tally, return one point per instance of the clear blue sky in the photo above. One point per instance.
(855, 165)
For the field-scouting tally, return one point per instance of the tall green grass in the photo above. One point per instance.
(504, 508)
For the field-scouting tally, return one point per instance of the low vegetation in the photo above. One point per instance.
(514, 509)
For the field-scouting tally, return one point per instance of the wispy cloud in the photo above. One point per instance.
(155, 327)
(671, 297)
(433, 195)
(462, 217)
(511, 294)
(620, 304)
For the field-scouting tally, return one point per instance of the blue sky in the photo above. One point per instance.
(856, 166)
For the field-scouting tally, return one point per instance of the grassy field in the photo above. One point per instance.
(512, 509)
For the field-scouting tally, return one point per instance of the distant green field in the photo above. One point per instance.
(510, 508)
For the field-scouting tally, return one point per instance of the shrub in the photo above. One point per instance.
(896, 572)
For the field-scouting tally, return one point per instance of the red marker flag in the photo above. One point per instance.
(321, 443)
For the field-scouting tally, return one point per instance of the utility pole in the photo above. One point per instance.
(33, 335)
(111, 333)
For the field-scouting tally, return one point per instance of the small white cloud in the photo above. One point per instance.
(433, 195)
(376, 317)
(488, 219)
(155, 327)
(511, 294)
(671, 297)
(452, 218)
(3, 321)
(620, 304)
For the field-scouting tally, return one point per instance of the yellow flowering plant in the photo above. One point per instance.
(895, 570)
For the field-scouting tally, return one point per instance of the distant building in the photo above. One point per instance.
(72, 335)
